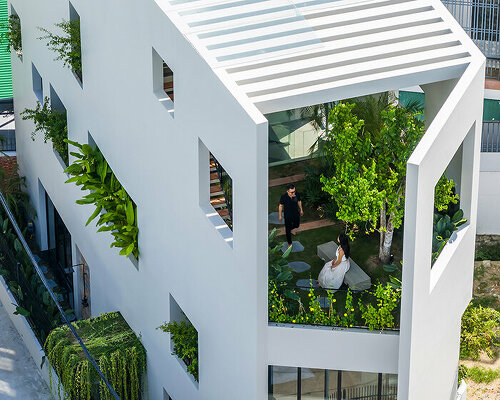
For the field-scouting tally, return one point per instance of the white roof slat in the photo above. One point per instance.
(279, 11)
(331, 74)
(345, 58)
(346, 44)
(273, 45)
(345, 19)
(275, 101)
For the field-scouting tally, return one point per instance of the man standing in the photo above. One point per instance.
(291, 205)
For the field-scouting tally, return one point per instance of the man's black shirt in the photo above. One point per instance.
(290, 205)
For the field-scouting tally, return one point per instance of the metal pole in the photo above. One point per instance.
(53, 296)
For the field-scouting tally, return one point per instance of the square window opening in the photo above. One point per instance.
(163, 82)
(37, 83)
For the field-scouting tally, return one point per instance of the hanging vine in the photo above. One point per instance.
(117, 350)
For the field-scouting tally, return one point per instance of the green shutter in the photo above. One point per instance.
(5, 67)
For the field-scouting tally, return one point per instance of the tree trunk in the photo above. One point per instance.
(382, 231)
(385, 251)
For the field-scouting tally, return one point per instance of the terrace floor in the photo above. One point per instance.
(19, 376)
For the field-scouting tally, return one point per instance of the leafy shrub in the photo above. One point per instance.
(381, 317)
(313, 193)
(462, 373)
(68, 46)
(280, 273)
(116, 348)
(185, 339)
(480, 329)
(482, 375)
(52, 123)
(118, 213)
(12, 35)
(443, 228)
(490, 252)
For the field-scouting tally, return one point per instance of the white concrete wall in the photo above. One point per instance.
(221, 288)
(433, 300)
(155, 157)
(488, 212)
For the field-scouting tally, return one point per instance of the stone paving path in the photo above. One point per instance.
(286, 179)
(19, 376)
(305, 226)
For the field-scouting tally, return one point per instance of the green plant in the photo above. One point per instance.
(53, 123)
(13, 188)
(480, 331)
(368, 183)
(116, 348)
(280, 273)
(185, 339)
(381, 317)
(482, 375)
(462, 373)
(443, 228)
(67, 46)
(485, 252)
(12, 34)
(116, 210)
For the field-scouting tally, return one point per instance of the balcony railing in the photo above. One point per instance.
(490, 140)
(481, 20)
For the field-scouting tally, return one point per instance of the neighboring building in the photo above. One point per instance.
(225, 65)
(5, 67)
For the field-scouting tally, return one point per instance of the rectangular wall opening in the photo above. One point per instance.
(37, 83)
(15, 28)
(216, 193)
(163, 82)
(74, 18)
(60, 147)
(183, 340)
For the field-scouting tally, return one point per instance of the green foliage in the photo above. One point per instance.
(480, 331)
(52, 123)
(368, 183)
(381, 316)
(13, 188)
(280, 273)
(462, 373)
(116, 210)
(336, 313)
(12, 35)
(116, 348)
(68, 46)
(491, 252)
(185, 339)
(443, 228)
(482, 375)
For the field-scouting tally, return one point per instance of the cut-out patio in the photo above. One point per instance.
(301, 149)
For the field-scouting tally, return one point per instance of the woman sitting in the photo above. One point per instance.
(332, 273)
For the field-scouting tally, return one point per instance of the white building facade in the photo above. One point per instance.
(232, 63)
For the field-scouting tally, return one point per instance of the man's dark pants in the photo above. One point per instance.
(291, 223)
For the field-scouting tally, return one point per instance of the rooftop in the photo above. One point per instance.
(287, 54)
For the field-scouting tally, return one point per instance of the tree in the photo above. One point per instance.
(368, 183)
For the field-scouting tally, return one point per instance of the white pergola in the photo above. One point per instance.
(286, 54)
